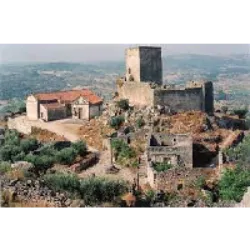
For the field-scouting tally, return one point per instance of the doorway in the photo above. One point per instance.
(80, 113)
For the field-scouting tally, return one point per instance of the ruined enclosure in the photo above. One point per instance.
(173, 149)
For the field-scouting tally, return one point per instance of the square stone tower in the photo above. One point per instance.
(144, 64)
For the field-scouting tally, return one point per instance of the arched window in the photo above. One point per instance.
(129, 70)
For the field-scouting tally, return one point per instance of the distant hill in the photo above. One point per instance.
(20, 80)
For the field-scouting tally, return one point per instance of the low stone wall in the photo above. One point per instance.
(21, 124)
(170, 179)
(89, 161)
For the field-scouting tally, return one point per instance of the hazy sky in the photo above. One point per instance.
(103, 52)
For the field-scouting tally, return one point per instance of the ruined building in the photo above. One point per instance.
(142, 85)
(176, 150)
(78, 104)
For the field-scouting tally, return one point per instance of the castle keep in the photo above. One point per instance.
(142, 85)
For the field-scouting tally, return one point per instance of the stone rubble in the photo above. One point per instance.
(35, 192)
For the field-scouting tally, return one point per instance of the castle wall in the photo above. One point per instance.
(179, 100)
(137, 93)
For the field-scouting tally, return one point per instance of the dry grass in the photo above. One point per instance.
(16, 174)
(187, 122)
(7, 197)
(93, 133)
(39, 203)
(44, 135)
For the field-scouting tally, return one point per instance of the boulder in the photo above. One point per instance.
(77, 203)
(22, 165)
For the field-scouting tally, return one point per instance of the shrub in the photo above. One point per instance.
(28, 145)
(6, 153)
(80, 147)
(224, 109)
(40, 162)
(98, 190)
(18, 157)
(122, 149)
(161, 166)
(241, 112)
(116, 121)
(66, 156)
(12, 137)
(123, 104)
(4, 167)
(47, 149)
(140, 122)
(233, 184)
(200, 182)
(62, 182)
(240, 153)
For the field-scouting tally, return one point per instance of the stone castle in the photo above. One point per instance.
(143, 85)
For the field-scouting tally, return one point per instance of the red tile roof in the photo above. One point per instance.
(54, 105)
(69, 96)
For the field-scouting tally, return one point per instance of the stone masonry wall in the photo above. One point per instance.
(179, 100)
(150, 65)
(21, 124)
(133, 64)
(56, 114)
(137, 93)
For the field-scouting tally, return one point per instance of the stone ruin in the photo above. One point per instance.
(176, 150)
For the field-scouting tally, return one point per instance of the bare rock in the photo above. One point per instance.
(13, 182)
(67, 202)
(77, 203)
(22, 164)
